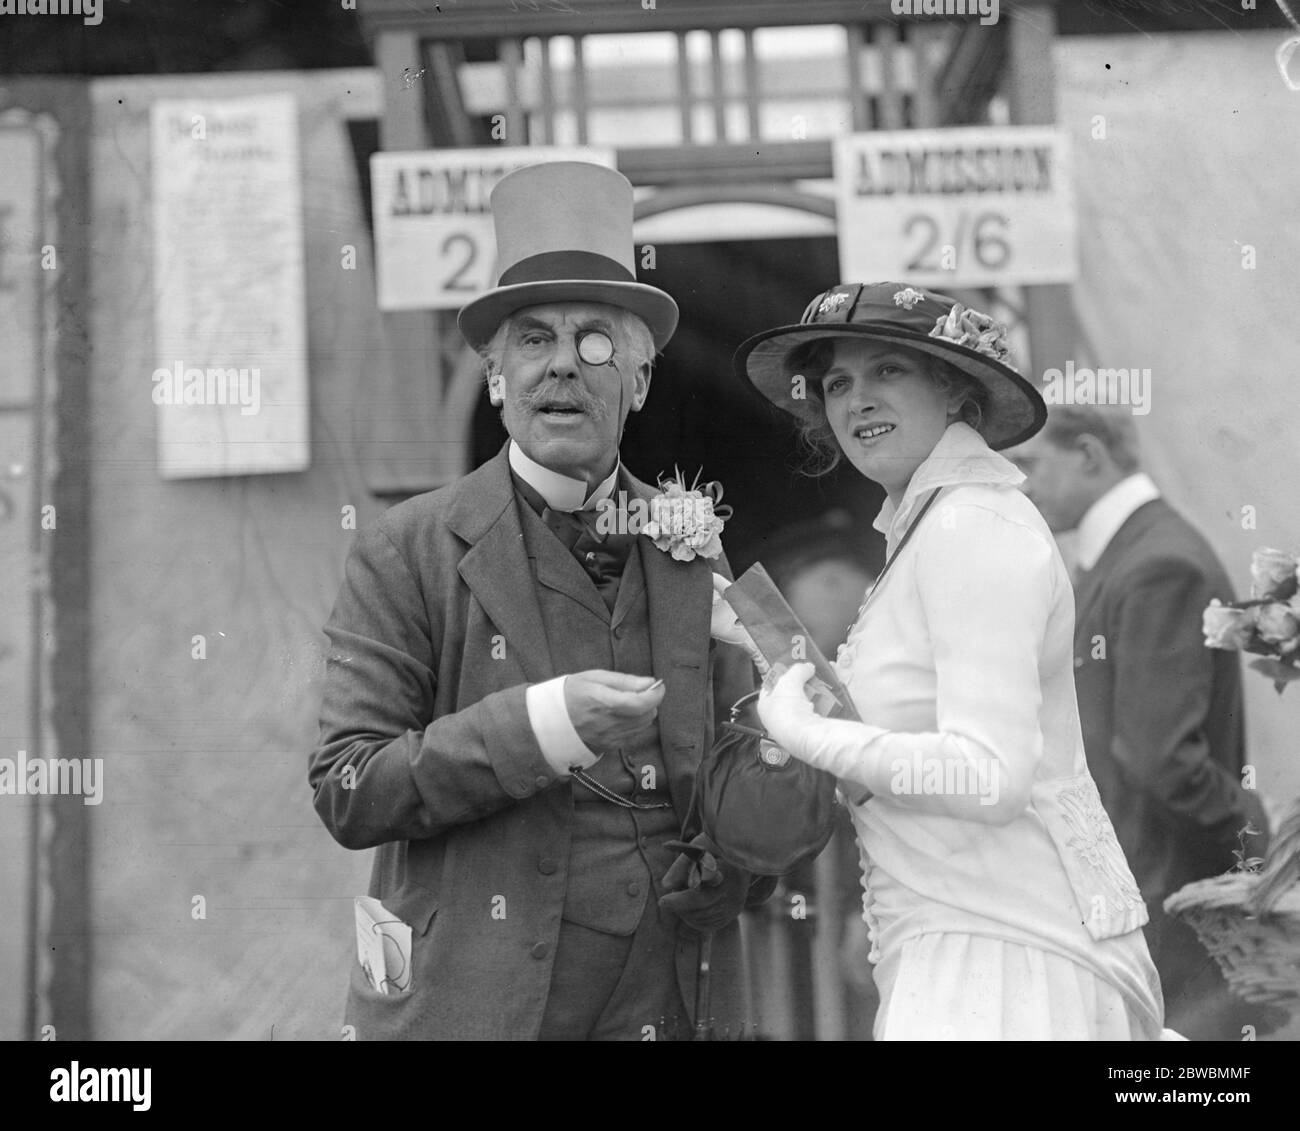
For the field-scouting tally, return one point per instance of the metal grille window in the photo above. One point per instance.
(700, 87)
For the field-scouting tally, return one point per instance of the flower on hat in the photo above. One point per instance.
(832, 302)
(908, 297)
(687, 521)
(974, 330)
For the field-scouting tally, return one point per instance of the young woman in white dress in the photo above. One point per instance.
(999, 902)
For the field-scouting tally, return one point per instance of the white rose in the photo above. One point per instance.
(1269, 569)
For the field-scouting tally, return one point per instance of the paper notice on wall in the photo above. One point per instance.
(230, 340)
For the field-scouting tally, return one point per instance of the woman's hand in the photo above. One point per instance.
(786, 710)
(725, 626)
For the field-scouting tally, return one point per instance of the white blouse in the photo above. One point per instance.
(984, 817)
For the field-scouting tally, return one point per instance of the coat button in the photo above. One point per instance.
(539, 950)
(546, 866)
(542, 781)
(633, 888)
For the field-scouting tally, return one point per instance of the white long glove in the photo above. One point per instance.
(887, 763)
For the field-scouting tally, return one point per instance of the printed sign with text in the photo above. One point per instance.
(967, 207)
(435, 247)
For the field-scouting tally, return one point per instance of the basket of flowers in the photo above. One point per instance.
(1249, 918)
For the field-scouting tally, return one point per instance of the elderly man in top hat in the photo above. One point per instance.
(519, 687)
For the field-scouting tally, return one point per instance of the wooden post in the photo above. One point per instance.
(404, 399)
(45, 418)
(1031, 93)
(829, 990)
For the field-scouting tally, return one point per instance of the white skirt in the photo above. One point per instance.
(947, 986)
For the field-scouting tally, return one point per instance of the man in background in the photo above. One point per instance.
(1162, 714)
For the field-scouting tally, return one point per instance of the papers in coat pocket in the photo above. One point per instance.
(383, 946)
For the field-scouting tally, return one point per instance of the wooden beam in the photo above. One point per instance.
(857, 41)
(684, 90)
(719, 85)
(1030, 86)
(763, 161)
(512, 60)
(471, 19)
(969, 76)
(891, 101)
(488, 19)
(752, 111)
(405, 395)
(547, 92)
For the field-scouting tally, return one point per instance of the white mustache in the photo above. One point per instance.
(553, 392)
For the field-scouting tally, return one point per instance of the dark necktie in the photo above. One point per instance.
(601, 554)
(598, 548)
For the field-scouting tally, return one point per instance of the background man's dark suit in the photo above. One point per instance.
(436, 633)
(1163, 728)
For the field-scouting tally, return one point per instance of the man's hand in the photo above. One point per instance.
(704, 892)
(611, 709)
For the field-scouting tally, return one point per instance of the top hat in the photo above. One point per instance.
(907, 316)
(564, 234)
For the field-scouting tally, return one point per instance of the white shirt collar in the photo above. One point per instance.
(1102, 520)
(960, 456)
(560, 492)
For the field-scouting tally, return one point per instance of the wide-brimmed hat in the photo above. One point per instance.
(564, 234)
(907, 316)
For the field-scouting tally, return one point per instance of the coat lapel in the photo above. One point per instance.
(558, 569)
(679, 601)
(495, 567)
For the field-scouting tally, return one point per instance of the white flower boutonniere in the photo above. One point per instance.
(687, 521)
(974, 330)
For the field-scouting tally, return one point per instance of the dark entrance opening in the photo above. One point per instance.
(701, 418)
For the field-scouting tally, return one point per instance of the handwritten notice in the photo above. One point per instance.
(230, 380)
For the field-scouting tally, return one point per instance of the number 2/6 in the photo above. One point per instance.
(989, 245)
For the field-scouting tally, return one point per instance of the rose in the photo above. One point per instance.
(1276, 625)
(1270, 569)
(1227, 627)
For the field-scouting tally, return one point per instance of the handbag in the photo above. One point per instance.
(763, 810)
